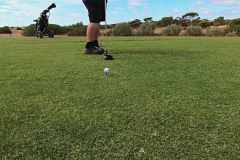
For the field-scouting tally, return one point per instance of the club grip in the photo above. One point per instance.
(53, 5)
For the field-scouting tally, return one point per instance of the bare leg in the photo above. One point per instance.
(93, 32)
(92, 46)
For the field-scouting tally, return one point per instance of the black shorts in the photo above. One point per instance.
(96, 10)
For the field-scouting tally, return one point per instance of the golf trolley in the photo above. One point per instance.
(41, 27)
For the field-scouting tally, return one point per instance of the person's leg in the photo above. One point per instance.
(96, 12)
(93, 34)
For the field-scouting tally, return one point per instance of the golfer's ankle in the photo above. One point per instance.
(92, 44)
(96, 43)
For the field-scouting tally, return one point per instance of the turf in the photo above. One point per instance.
(166, 98)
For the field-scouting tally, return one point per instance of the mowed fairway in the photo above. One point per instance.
(166, 98)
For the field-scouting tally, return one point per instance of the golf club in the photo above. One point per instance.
(107, 55)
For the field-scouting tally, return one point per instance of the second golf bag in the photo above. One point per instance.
(41, 28)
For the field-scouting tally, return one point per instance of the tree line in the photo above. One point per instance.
(191, 18)
(191, 22)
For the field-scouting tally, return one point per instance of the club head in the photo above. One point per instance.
(53, 5)
(108, 56)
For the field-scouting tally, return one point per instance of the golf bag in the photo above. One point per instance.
(41, 27)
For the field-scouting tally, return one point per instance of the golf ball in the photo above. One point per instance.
(106, 71)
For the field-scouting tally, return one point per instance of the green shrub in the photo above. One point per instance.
(235, 26)
(216, 32)
(5, 30)
(57, 29)
(29, 30)
(54, 28)
(78, 31)
(172, 30)
(146, 29)
(194, 31)
(205, 23)
(122, 29)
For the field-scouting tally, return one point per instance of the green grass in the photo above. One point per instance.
(166, 98)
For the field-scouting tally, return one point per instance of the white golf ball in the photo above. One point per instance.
(106, 71)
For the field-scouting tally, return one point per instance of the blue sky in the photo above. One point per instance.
(22, 12)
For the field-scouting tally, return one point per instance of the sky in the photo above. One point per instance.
(22, 12)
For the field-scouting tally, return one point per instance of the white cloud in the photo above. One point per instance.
(215, 8)
(226, 2)
(135, 2)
